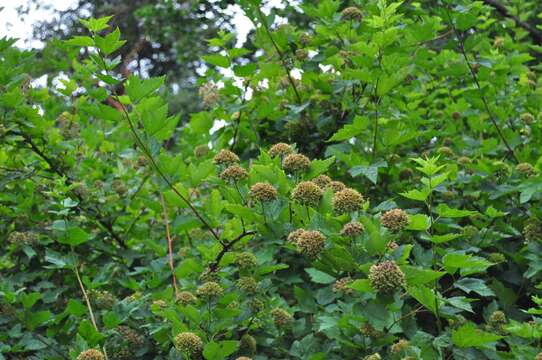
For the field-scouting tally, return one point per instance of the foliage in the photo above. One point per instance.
(410, 229)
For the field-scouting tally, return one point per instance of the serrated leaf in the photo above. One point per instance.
(445, 211)
(468, 335)
(418, 222)
(320, 277)
(217, 60)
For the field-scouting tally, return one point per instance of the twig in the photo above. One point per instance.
(475, 79)
(226, 247)
(533, 31)
(89, 306)
(170, 247)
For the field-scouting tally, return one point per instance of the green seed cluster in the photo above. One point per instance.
(201, 150)
(395, 219)
(119, 187)
(307, 193)
(248, 343)
(532, 231)
(188, 343)
(375, 356)
(386, 277)
(399, 346)
(91, 354)
(186, 297)
(280, 149)
(161, 304)
(210, 290)
(496, 257)
(311, 243)
(296, 163)
(246, 260)
(20, 238)
(464, 160)
(102, 299)
(497, 318)
(281, 317)
(527, 118)
(247, 284)
(347, 201)
(446, 151)
(369, 331)
(351, 13)
(352, 229)
(209, 94)
(405, 174)
(263, 192)
(341, 286)
(525, 169)
(226, 157)
(234, 173)
(131, 336)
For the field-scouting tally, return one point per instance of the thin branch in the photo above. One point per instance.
(477, 83)
(170, 247)
(89, 306)
(226, 247)
(500, 8)
(281, 55)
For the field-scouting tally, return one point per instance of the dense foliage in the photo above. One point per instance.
(364, 186)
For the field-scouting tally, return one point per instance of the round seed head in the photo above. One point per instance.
(131, 336)
(351, 13)
(280, 149)
(186, 297)
(386, 277)
(369, 331)
(102, 299)
(341, 285)
(226, 157)
(538, 356)
(307, 193)
(294, 235)
(446, 151)
(246, 260)
(210, 290)
(496, 257)
(243, 358)
(405, 174)
(375, 356)
(464, 160)
(352, 229)
(188, 343)
(256, 305)
(161, 304)
(395, 219)
(296, 163)
(527, 118)
(209, 94)
(497, 318)
(263, 192)
(248, 343)
(301, 54)
(20, 238)
(281, 317)
(234, 173)
(322, 181)
(532, 231)
(399, 346)
(247, 284)
(91, 354)
(525, 169)
(201, 150)
(311, 243)
(337, 186)
(347, 201)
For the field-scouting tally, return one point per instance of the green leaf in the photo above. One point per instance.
(320, 166)
(320, 277)
(38, 318)
(419, 195)
(361, 285)
(418, 222)
(478, 286)
(217, 60)
(96, 25)
(424, 296)
(444, 211)
(359, 124)
(440, 239)
(468, 264)
(369, 171)
(80, 41)
(76, 308)
(137, 88)
(29, 300)
(221, 350)
(420, 276)
(468, 335)
(89, 333)
(110, 42)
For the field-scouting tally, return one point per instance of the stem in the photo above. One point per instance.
(434, 259)
(281, 55)
(263, 212)
(89, 306)
(159, 171)
(170, 248)
(477, 83)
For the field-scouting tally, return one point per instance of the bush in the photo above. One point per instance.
(129, 235)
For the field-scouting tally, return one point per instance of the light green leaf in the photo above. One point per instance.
(469, 335)
(418, 222)
(320, 277)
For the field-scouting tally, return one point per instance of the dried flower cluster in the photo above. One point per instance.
(280, 149)
(347, 201)
(395, 219)
(210, 290)
(188, 343)
(91, 354)
(281, 317)
(296, 163)
(307, 193)
(233, 174)
(226, 157)
(311, 243)
(263, 192)
(352, 229)
(386, 277)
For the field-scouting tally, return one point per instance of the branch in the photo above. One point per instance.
(226, 247)
(170, 247)
(475, 79)
(536, 34)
